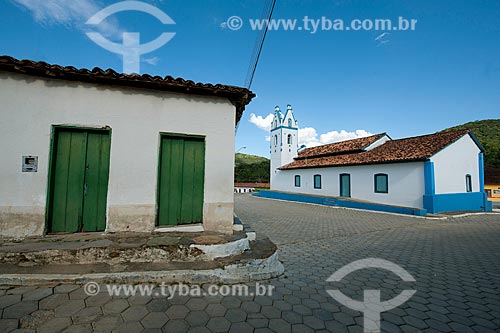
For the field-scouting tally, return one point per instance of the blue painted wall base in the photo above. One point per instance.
(470, 201)
(339, 202)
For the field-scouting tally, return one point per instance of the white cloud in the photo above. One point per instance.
(308, 136)
(262, 123)
(382, 35)
(152, 61)
(72, 14)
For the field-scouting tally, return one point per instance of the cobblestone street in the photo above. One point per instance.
(456, 264)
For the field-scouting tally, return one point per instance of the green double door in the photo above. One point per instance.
(79, 180)
(181, 180)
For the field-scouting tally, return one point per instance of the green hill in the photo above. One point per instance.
(488, 133)
(251, 168)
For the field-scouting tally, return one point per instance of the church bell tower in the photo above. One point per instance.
(284, 139)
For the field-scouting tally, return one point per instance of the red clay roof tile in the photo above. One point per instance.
(240, 97)
(403, 150)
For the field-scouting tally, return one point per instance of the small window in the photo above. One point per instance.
(468, 183)
(275, 140)
(297, 181)
(381, 183)
(289, 122)
(289, 139)
(317, 181)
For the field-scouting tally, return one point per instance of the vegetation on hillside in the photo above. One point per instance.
(251, 169)
(488, 133)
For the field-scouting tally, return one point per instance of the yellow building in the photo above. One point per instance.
(492, 183)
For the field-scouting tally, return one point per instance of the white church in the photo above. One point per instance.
(441, 172)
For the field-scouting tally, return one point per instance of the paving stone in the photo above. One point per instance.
(301, 328)
(128, 327)
(218, 324)
(107, 323)
(314, 323)
(250, 307)
(134, 313)
(155, 320)
(197, 318)
(258, 322)
(231, 302)
(8, 300)
(87, 315)
(271, 312)
(280, 326)
(158, 305)
(215, 310)
(20, 290)
(98, 300)
(241, 327)
(54, 325)
(235, 315)
(8, 325)
(115, 306)
(69, 308)
(139, 300)
(19, 310)
(80, 328)
(78, 294)
(176, 325)
(197, 304)
(177, 312)
(37, 294)
(53, 301)
(36, 319)
(65, 288)
(199, 329)
(262, 330)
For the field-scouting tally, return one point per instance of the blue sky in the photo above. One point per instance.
(444, 73)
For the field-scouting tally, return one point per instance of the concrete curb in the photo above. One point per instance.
(253, 270)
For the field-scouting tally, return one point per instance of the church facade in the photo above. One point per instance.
(433, 173)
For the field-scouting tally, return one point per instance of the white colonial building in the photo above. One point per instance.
(102, 151)
(433, 173)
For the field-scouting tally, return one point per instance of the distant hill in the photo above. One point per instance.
(251, 168)
(488, 133)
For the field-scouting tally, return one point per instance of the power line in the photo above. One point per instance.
(259, 43)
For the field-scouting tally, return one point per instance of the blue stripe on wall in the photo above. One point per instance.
(338, 202)
(481, 172)
(430, 184)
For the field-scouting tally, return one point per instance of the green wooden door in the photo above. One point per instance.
(345, 185)
(181, 180)
(79, 180)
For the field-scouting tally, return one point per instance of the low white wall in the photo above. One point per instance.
(406, 182)
(454, 162)
(30, 106)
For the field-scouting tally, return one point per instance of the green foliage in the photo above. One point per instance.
(251, 169)
(488, 133)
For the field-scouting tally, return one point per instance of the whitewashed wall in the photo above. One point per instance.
(30, 106)
(454, 162)
(406, 182)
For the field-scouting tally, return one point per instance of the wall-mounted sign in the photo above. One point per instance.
(30, 163)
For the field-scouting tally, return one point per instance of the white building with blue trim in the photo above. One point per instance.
(440, 172)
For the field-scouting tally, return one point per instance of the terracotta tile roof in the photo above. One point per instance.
(417, 148)
(354, 145)
(240, 97)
